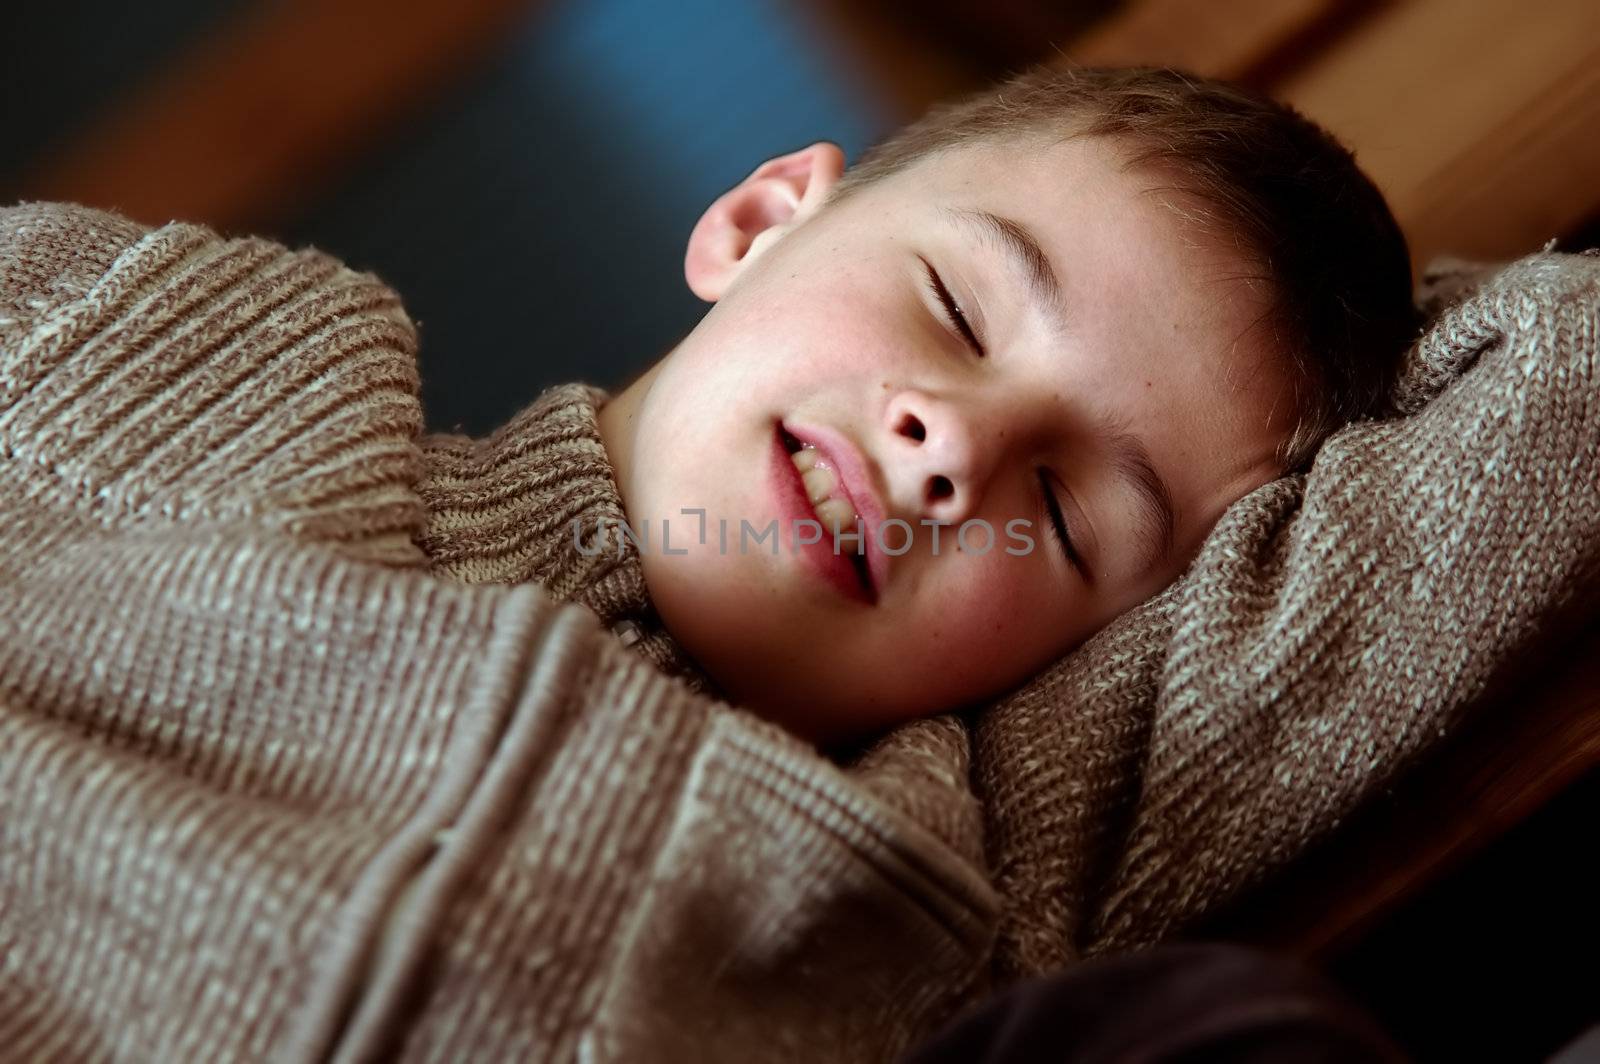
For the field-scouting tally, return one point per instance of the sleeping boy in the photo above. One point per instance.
(1026, 354)
(1012, 367)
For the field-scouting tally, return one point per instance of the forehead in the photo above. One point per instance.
(1110, 231)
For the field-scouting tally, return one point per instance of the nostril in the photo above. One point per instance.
(910, 426)
(942, 488)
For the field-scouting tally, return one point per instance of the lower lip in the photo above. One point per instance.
(795, 505)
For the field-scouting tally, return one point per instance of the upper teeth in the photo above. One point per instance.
(835, 514)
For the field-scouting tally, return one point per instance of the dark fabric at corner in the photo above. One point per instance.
(1178, 1004)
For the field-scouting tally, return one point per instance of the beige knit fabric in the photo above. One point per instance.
(1334, 626)
(270, 789)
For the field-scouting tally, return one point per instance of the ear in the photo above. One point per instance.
(751, 216)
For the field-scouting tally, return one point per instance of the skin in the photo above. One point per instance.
(823, 315)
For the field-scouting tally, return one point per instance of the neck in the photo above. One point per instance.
(618, 423)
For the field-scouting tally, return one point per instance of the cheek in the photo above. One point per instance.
(997, 619)
(841, 322)
(1015, 606)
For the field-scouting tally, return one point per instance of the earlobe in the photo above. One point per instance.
(755, 213)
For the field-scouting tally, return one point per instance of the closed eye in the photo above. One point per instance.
(1058, 525)
(952, 310)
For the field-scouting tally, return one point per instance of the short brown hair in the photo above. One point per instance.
(1258, 175)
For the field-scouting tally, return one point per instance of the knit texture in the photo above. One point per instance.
(1334, 626)
(503, 511)
(285, 773)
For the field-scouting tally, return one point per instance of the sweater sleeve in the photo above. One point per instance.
(171, 374)
(238, 729)
(226, 755)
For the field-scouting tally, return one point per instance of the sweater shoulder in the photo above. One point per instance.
(48, 248)
(171, 373)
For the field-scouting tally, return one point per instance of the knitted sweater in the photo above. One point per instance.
(502, 510)
(271, 789)
(269, 786)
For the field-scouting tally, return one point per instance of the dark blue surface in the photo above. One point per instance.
(535, 221)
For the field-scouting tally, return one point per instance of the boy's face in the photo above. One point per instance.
(829, 327)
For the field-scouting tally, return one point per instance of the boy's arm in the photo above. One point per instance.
(227, 754)
(1341, 626)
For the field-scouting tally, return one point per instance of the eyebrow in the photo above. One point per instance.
(1130, 461)
(1025, 252)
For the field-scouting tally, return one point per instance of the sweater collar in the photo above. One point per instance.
(522, 506)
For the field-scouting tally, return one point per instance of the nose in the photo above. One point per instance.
(942, 452)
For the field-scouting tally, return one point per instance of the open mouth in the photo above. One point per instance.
(858, 560)
(851, 549)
